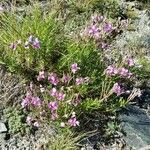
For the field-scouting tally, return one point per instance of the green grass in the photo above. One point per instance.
(64, 141)
(39, 24)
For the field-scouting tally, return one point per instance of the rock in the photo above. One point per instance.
(136, 124)
(2, 128)
(89, 147)
(138, 38)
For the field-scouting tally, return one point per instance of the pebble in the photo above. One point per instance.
(3, 128)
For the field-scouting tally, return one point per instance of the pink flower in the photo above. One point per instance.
(13, 46)
(74, 67)
(54, 115)
(29, 120)
(104, 46)
(53, 106)
(108, 27)
(66, 78)
(79, 81)
(73, 122)
(53, 79)
(60, 96)
(41, 76)
(94, 31)
(36, 43)
(130, 62)
(26, 101)
(36, 124)
(117, 89)
(111, 70)
(123, 72)
(36, 101)
(53, 92)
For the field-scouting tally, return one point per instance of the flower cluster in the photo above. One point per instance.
(34, 42)
(101, 29)
(58, 94)
(98, 28)
(117, 89)
(14, 45)
(122, 71)
(31, 100)
(53, 79)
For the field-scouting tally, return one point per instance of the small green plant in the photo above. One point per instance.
(16, 121)
(144, 68)
(64, 141)
(112, 128)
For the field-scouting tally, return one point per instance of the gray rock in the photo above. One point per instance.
(136, 125)
(138, 39)
(2, 128)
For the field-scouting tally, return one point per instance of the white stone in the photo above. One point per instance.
(2, 127)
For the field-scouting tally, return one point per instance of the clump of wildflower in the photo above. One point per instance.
(41, 76)
(74, 67)
(117, 89)
(53, 79)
